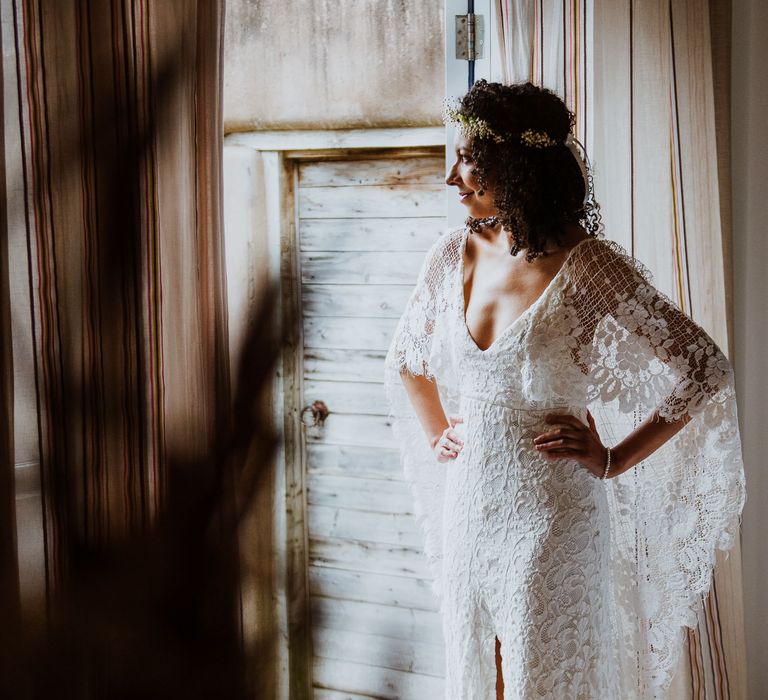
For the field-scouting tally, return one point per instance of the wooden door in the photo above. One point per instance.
(363, 225)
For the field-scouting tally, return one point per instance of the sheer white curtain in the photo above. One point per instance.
(652, 110)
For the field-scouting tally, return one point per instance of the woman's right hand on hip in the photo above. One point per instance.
(448, 444)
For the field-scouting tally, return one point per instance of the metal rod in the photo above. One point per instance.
(470, 43)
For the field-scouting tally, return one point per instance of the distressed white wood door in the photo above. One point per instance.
(363, 225)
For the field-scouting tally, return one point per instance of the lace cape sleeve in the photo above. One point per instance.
(670, 512)
(420, 346)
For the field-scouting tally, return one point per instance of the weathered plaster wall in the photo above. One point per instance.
(330, 64)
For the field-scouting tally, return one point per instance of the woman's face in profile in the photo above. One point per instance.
(469, 189)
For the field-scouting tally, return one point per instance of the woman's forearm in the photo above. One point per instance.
(643, 441)
(427, 405)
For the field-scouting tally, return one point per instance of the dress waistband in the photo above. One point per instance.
(527, 408)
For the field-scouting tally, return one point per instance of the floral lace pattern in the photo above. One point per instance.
(587, 583)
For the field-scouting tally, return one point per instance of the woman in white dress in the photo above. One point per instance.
(569, 435)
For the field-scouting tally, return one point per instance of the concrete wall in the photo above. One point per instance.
(332, 64)
(749, 94)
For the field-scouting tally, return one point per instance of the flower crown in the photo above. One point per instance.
(474, 126)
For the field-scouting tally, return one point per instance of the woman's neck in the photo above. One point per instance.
(498, 237)
(570, 235)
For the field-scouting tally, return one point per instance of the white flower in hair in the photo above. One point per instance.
(537, 139)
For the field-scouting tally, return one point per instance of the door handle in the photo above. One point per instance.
(319, 412)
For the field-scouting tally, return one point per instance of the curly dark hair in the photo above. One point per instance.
(536, 190)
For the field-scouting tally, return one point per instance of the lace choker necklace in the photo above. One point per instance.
(476, 224)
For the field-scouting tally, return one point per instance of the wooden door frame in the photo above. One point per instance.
(281, 152)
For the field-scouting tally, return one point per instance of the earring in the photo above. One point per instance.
(481, 192)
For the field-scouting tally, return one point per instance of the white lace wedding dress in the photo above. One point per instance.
(586, 582)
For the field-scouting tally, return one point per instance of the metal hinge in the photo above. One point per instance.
(470, 36)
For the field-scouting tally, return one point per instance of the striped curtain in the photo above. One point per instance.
(114, 282)
(648, 82)
(10, 610)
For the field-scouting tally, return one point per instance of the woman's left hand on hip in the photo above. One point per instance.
(573, 439)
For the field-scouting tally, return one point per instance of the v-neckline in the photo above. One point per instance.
(528, 310)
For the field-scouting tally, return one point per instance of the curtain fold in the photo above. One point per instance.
(116, 253)
(10, 602)
(651, 109)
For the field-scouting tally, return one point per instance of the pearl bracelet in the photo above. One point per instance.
(607, 463)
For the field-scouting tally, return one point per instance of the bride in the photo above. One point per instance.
(569, 435)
